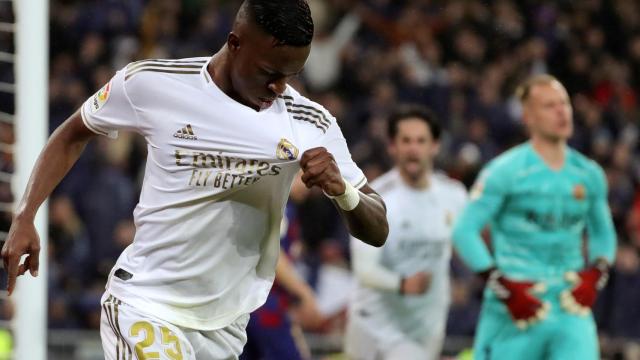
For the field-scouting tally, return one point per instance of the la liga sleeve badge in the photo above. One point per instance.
(100, 98)
(477, 190)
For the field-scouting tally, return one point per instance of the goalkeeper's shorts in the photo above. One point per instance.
(559, 336)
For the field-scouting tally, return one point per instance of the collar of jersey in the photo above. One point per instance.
(537, 158)
(212, 89)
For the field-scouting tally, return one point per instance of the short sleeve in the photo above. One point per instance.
(110, 109)
(336, 144)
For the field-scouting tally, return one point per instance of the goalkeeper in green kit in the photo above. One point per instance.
(539, 199)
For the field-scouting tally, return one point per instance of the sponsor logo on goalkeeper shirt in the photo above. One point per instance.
(552, 221)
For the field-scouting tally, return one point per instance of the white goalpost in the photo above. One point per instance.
(31, 128)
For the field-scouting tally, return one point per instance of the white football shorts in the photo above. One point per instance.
(361, 343)
(129, 334)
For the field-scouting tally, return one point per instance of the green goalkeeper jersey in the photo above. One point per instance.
(538, 216)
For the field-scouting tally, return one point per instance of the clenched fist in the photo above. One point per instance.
(586, 284)
(319, 168)
(525, 308)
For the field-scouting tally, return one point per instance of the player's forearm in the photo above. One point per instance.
(368, 221)
(363, 211)
(379, 279)
(602, 235)
(288, 279)
(602, 247)
(59, 154)
(368, 270)
(469, 244)
(474, 253)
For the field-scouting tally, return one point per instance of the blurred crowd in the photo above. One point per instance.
(461, 58)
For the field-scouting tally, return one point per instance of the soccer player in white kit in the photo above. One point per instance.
(226, 136)
(399, 308)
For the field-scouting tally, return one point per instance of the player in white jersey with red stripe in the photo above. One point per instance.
(399, 308)
(225, 135)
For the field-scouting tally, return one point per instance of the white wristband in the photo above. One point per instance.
(349, 200)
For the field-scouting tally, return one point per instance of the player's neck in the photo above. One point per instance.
(552, 152)
(218, 70)
(421, 182)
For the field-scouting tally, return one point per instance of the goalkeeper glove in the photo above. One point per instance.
(581, 297)
(524, 307)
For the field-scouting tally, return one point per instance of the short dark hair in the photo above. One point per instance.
(407, 111)
(289, 21)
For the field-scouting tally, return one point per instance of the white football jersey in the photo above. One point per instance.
(217, 178)
(420, 225)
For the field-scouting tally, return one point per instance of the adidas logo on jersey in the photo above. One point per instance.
(185, 133)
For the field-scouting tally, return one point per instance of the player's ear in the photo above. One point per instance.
(233, 42)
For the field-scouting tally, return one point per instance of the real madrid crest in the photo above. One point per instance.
(448, 219)
(286, 150)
